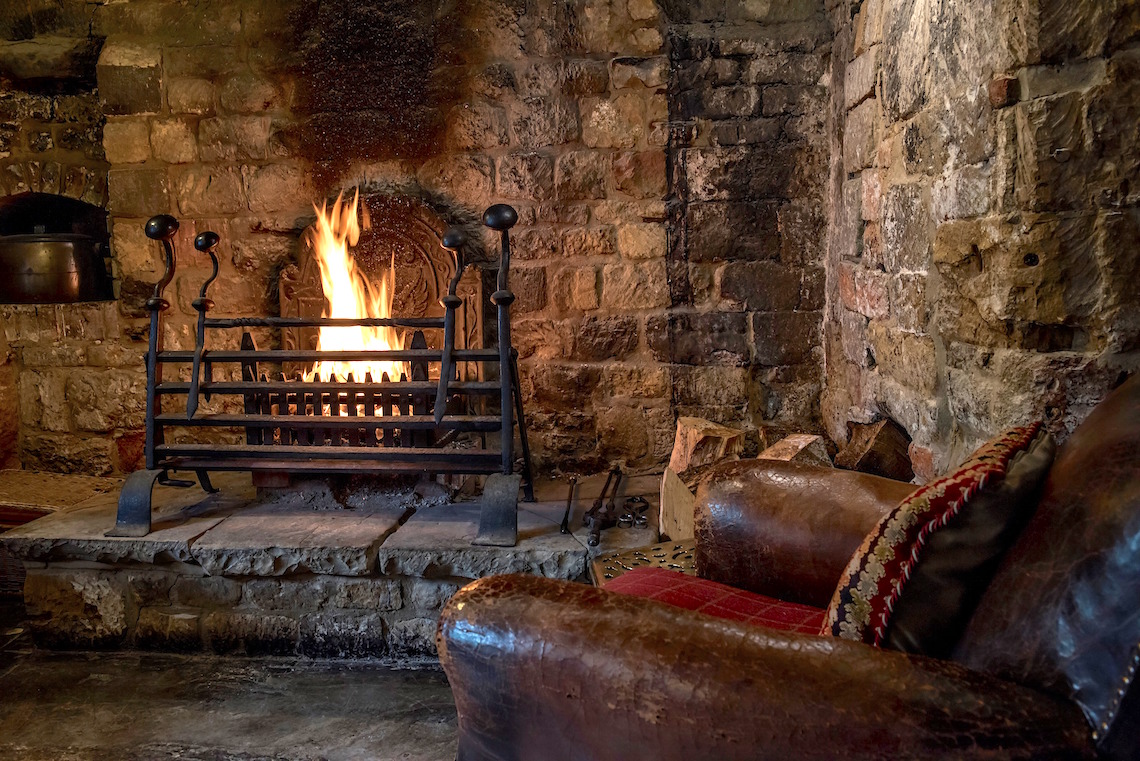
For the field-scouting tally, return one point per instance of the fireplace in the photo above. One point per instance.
(361, 402)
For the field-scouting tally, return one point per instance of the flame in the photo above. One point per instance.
(349, 294)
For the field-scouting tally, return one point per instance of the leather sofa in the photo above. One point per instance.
(549, 670)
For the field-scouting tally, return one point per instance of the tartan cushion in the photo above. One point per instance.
(936, 552)
(718, 600)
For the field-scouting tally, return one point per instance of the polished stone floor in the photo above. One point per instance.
(130, 706)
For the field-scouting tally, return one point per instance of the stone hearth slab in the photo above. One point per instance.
(436, 543)
(276, 540)
(180, 516)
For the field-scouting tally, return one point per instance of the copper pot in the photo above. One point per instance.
(53, 268)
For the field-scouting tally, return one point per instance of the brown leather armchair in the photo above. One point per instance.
(548, 670)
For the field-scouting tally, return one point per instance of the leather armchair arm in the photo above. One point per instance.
(784, 529)
(553, 670)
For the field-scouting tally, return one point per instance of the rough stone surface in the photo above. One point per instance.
(180, 517)
(274, 541)
(435, 543)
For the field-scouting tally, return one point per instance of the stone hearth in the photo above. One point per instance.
(252, 572)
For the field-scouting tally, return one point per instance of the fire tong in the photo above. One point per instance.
(600, 517)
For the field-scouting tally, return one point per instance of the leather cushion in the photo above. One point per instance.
(715, 599)
(919, 574)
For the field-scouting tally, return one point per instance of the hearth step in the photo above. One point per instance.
(338, 422)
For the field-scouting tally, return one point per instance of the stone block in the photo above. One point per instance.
(191, 95)
(250, 633)
(642, 241)
(342, 634)
(588, 242)
(641, 174)
(528, 176)
(435, 543)
(907, 228)
(860, 136)
(619, 122)
(637, 382)
(785, 338)
(232, 138)
(169, 629)
(761, 286)
(1052, 161)
(412, 637)
(77, 607)
(585, 77)
(179, 517)
(247, 93)
(536, 243)
(864, 291)
(308, 594)
(205, 592)
(731, 173)
(803, 232)
(138, 192)
(205, 190)
(872, 196)
(1032, 283)
(102, 401)
(129, 77)
(173, 141)
(584, 289)
(813, 289)
(544, 122)
(644, 72)
(475, 126)
(623, 432)
(735, 101)
(733, 231)
(560, 387)
(860, 77)
(907, 358)
(853, 338)
(602, 338)
(278, 187)
(428, 596)
(773, 11)
(529, 287)
(278, 540)
(581, 175)
(793, 68)
(635, 286)
(465, 176)
(962, 193)
(699, 339)
(126, 141)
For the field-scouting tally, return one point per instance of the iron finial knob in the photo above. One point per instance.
(500, 217)
(161, 227)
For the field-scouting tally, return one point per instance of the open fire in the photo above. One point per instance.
(349, 294)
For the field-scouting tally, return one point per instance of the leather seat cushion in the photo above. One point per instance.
(715, 599)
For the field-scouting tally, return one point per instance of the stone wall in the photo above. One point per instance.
(51, 141)
(748, 170)
(981, 263)
(236, 116)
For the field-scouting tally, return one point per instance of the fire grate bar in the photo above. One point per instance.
(292, 387)
(354, 426)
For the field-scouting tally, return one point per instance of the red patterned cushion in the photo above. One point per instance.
(977, 512)
(718, 600)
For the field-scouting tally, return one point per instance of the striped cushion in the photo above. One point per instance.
(720, 600)
(980, 516)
